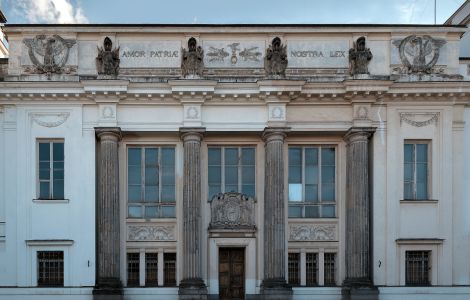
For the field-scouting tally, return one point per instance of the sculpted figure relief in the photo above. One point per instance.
(275, 62)
(107, 61)
(359, 57)
(52, 51)
(192, 63)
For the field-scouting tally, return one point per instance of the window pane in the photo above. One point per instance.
(151, 156)
(311, 174)
(45, 165)
(330, 269)
(295, 211)
(59, 174)
(44, 190)
(214, 156)
(295, 192)
(134, 211)
(421, 153)
(168, 211)
(327, 192)
(422, 191)
(295, 174)
(133, 269)
(134, 156)
(231, 176)
(44, 174)
(408, 191)
(311, 269)
(295, 156)
(311, 156)
(151, 211)
(58, 189)
(151, 269)
(248, 156)
(328, 211)
(231, 156)
(214, 190)
(169, 269)
(58, 165)
(231, 188)
(214, 175)
(408, 151)
(408, 170)
(328, 174)
(133, 193)
(168, 175)
(168, 193)
(58, 151)
(294, 268)
(44, 151)
(312, 212)
(151, 176)
(50, 267)
(134, 176)
(328, 156)
(421, 172)
(248, 175)
(249, 190)
(168, 156)
(311, 193)
(151, 194)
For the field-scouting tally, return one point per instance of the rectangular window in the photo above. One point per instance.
(293, 266)
(151, 182)
(50, 268)
(231, 169)
(133, 269)
(330, 269)
(151, 269)
(416, 169)
(418, 266)
(312, 269)
(312, 182)
(169, 269)
(51, 169)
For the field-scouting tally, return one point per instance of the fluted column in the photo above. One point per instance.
(107, 214)
(274, 284)
(358, 227)
(192, 285)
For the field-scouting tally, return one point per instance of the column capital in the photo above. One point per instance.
(271, 134)
(195, 134)
(108, 133)
(355, 134)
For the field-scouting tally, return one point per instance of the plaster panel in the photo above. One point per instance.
(380, 62)
(87, 52)
(419, 221)
(318, 114)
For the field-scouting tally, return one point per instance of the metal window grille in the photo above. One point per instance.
(330, 269)
(312, 269)
(133, 269)
(294, 268)
(418, 265)
(151, 269)
(50, 268)
(169, 269)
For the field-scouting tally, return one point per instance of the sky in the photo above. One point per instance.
(229, 11)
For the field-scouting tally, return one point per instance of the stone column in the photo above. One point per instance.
(192, 285)
(274, 284)
(108, 282)
(358, 283)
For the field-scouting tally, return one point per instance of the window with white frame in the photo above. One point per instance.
(417, 268)
(50, 266)
(312, 268)
(231, 169)
(416, 170)
(154, 263)
(151, 182)
(50, 169)
(312, 182)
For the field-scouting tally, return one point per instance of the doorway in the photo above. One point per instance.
(231, 273)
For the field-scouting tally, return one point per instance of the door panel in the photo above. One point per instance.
(232, 273)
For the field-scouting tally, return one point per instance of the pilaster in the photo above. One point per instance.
(108, 283)
(192, 285)
(274, 285)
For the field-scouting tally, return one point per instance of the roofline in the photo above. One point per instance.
(3, 19)
(449, 20)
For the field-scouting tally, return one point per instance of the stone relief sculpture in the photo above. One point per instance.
(275, 62)
(150, 233)
(107, 61)
(419, 54)
(359, 57)
(312, 232)
(49, 54)
(232, 211)
(192, 63)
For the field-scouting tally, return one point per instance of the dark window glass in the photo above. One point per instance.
(418, 267)
(294, 268)
(415, 171)
(50, 268)
(330, 269)
(151, 269)
(169, 269)
(51, 172)
(133, 269)
(312, 269)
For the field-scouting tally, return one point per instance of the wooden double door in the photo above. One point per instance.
(231, 273)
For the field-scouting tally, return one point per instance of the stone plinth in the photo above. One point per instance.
(108, 282)
(192, 286)
(274, 284)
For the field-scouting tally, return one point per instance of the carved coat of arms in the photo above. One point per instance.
(231, 211)
(419, 53)
(49, 54)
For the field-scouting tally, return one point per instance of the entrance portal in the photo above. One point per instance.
(232, 273)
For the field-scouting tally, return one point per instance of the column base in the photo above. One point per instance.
(192, 289)
(360, 293)
(108, 289)
(276, 289)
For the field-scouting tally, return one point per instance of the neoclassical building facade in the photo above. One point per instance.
(234, 162)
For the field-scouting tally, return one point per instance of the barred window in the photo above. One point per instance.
(151, 182)
(231, 169)
(151, 269)
(51, 170)
(133, 269)
(312, 182)
(416, 168)
(169, 269)
(50, 268)
(312, 269)
(330, 269)
(418, 266)
(294, 268)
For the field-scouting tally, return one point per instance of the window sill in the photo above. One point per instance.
(430, 201)
(54, 201)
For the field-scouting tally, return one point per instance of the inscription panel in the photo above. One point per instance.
(155, 54)
(317, 54)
